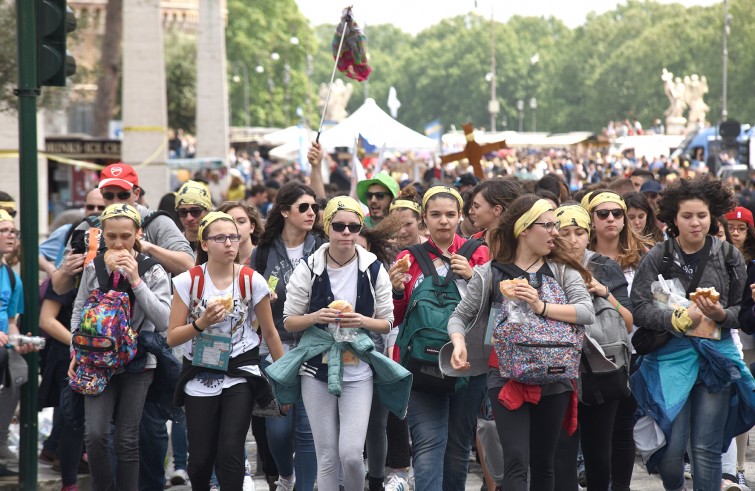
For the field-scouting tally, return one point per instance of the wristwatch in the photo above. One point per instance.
(608, 294)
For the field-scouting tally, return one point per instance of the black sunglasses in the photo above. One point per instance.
(12, 213)
(195, 212)
(95, 207)
(123, 195)
(378, 195)
(603, 214)
(303, 207)
(339, 227)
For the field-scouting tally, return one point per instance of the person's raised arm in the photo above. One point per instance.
(314, 156)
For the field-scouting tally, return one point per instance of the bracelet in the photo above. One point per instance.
(137, 283)
(196, 327)
(545, 306)
(618, 306)
(608, 294)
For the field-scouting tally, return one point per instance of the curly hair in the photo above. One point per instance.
(503, 244)
(380, 239)
(251, 212)
(709, 190)
(640, 201)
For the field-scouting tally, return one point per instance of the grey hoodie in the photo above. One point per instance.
(650, 316)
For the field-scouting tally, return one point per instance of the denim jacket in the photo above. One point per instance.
(392, 382)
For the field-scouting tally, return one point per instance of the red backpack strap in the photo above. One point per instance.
(245, 283)
(197, 285)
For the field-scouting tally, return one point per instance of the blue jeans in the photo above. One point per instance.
(153, 447)
(180, 442)
(701, 421)
(442, 428)
(122, 401)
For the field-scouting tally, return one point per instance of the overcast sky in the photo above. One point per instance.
(414, 15)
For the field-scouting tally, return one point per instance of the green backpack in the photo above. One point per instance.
(423, 331)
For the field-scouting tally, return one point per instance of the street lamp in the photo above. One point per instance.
(237, 79)
(533, 106)
(725, 53)
(520, 109)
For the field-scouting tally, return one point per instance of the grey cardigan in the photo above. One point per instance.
(471, 315)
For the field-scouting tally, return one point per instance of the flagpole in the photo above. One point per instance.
(333, 75)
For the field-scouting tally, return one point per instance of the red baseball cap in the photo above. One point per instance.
(742, 214)
(120, 174)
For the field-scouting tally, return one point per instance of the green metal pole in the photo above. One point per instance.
(27, 93)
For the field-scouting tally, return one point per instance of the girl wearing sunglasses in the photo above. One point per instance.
(441, 425)
(335, 359)
(193, 203)
(219, 393)
(290, 234)
(614, 238)
(525, 244)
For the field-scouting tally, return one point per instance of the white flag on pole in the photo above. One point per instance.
(393, 103)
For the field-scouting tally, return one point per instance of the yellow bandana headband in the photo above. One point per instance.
(8, 204)
(441, 189)
(585, 202)
(541, 206)
(604, 197)
(5, 216)
(406, 203)
(211, 217)
(119, 210)
(341, 203)
(572, 215)
(194, 193)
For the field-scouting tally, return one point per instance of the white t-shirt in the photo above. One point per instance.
(244, 337)
(295, 254)
(343, 284)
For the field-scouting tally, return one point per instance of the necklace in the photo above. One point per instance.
(342, 264)
(530, 266)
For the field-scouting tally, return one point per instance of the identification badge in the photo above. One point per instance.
(212, 351)
(495, 308)
(347, 358)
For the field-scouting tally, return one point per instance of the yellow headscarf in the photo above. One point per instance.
(572, 215)
(406, 203)
(586, 200)
(5, 216)
(441, 189)
(117, 210)
(341, 203)
(603, 197)
(194, 193)
(541, 206)
(211, 217)
(8, 204)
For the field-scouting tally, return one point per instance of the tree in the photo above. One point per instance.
(108, 80)
(181, 80)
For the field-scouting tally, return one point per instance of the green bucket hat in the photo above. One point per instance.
(380, 178)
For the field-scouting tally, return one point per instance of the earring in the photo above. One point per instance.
(284, 216)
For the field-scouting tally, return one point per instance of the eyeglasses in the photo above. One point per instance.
(123, 195)
(378, 195)
(194, 212)
(221, 238)
(95, 207)
(339, 227)
(303, 207)
(738, 229)
(548, 226)
(603, 214)
(10, 231)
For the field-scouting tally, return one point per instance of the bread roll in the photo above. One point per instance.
(507, 287)
(111, 257)
(341, 305)
(403, 264)
(226, 302)
(710, 293)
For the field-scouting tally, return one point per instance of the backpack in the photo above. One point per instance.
(11, 277)
(424, 331)
(197, 285)
(539, 350)
(105, 341)
(604, 382)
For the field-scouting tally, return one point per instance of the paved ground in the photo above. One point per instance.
(641, 481)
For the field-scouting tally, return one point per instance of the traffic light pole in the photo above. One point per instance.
(27, 93)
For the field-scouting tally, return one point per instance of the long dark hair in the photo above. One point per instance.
(503, 244)
(202, 256)
(640, 201)
(251, 212)
(287, 195)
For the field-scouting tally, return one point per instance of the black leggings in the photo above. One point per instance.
(399, 450)
(529, 437)
(622, 446)
(217, 428)
(596, 425)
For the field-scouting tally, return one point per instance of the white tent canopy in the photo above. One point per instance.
(378, 128)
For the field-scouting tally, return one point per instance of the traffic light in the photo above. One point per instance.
(55, 20)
